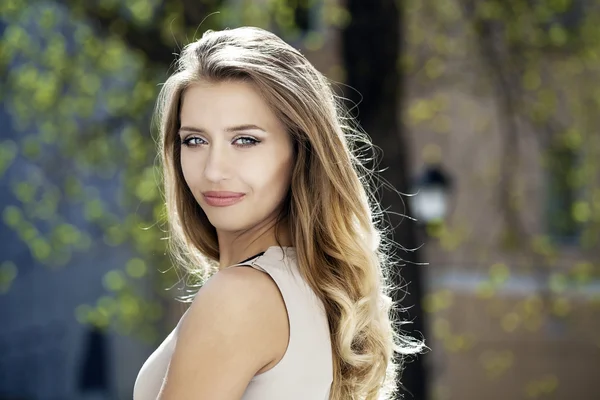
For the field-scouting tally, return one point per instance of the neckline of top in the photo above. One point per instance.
(279, 249)
(262, 253)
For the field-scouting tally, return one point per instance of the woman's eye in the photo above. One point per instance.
(248, 141)
(190, 141)
(243, 141)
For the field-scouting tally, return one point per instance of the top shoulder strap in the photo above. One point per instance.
(247, 260)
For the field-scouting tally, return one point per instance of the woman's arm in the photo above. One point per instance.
(232, 330)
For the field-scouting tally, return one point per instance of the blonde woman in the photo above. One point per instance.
(269, 206)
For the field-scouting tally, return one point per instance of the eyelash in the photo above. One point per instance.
(186, 142)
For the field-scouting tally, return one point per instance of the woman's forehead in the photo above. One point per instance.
(226, 104)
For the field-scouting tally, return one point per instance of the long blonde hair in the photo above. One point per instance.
(337, 230)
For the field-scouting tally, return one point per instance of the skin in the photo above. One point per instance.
(215, 159)
(237, 326)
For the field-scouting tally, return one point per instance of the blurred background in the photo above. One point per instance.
(487, 110)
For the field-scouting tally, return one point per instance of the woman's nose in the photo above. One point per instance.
(218, 164)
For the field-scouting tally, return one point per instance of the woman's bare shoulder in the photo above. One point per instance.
(230, 326)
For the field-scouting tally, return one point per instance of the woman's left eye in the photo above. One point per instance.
(249, 141)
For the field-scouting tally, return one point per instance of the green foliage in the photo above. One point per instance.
(82, 102)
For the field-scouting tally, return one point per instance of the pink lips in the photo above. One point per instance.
(222, 199)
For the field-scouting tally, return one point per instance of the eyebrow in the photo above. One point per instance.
(231, 129)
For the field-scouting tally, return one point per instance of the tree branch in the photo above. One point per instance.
(147, 39)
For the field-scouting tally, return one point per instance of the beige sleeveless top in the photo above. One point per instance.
(306, 370)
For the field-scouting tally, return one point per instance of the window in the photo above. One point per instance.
(563, 223)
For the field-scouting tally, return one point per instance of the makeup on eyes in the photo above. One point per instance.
(253, 141)
(233, 129)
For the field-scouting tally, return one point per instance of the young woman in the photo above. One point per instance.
(269, 206)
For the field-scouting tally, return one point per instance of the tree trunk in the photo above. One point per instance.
(371, 46)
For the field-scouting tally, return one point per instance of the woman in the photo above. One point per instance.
(267, 199)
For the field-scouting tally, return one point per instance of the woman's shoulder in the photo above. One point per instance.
(236, 288)
(226, 328)
(240, 296)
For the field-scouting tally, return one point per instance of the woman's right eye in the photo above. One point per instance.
(189, 142)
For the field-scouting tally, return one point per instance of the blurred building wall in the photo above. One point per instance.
(524, 337)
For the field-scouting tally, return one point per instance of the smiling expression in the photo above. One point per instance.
(232, 141)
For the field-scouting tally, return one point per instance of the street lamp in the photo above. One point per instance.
(429, 203)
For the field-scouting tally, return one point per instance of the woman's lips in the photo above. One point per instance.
(223, 201)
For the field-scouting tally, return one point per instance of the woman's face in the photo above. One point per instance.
(232, 141)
